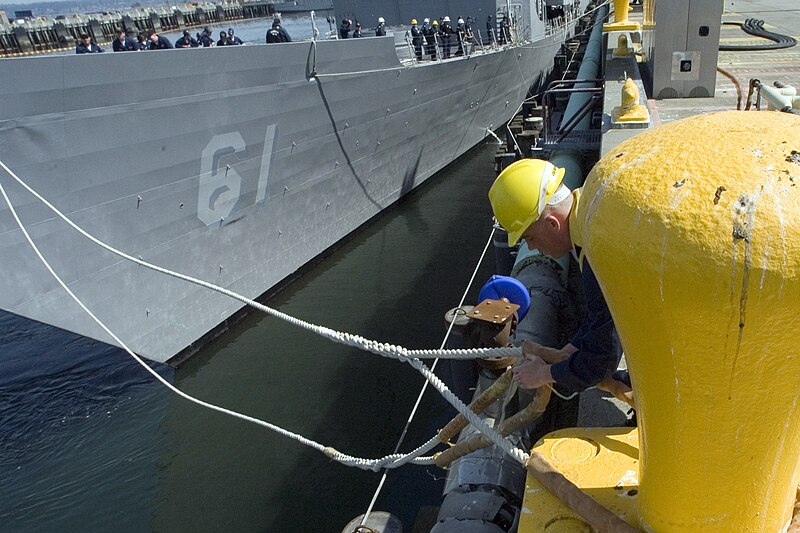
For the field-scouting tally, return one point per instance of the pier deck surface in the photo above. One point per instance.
(780, 16)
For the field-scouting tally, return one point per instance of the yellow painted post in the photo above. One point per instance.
(622, 49)
(693, 230)
(630, 110)
(621, 22)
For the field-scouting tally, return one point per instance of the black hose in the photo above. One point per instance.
(756, 27)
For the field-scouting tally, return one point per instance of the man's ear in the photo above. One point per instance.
(552, 221)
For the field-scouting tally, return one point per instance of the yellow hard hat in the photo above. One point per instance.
(435, 23)
(413, 21)
(520, 193)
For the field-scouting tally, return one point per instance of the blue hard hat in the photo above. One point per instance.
(507, 287)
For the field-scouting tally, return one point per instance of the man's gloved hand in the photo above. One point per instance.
(532, 372)
(549, 355)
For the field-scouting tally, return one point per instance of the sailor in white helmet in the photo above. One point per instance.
(445, 31)
(380, 31)
(430, 38)
(461, 31)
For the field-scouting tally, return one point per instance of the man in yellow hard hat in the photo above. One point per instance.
(416, 39)
(532, 204)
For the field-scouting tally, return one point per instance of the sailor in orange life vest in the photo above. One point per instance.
(531, 203)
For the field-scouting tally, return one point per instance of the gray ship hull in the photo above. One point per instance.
(303, 6)
(227, 164)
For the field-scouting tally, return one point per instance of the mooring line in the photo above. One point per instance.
(386, 350)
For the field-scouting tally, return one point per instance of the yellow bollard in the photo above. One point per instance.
(621, 22)
(693, 230)
(630, 110)
(622, 49)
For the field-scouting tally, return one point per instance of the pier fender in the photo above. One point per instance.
(693, 231)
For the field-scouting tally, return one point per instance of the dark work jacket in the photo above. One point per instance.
(344, 30)
(381, 30)
(277, 34)
(357, 33)
(445, 30)
(234, 40)
(596, 357)
(183, 41)
(161, 44)
(274, 35)
(416, 36)
(429, 33)
(91, 49)
(206, 40)
(125, 45)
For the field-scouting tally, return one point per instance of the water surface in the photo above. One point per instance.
(89, 442)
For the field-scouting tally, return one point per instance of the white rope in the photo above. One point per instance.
(345, 338)
(425, 385)
(567, 398)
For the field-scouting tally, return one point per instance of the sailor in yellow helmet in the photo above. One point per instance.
(416, 39)
(532, 204)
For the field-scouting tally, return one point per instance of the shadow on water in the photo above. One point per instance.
(392, 282)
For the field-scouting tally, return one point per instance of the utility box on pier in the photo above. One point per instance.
(680, 45)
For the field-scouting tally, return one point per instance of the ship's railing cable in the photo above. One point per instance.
(497, 49)
(413, 413)
(387, 350)
(475, 53)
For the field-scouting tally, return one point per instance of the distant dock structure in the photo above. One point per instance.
(36, 35)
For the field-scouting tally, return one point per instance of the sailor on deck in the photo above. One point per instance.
(159, 42)
(232, 39)
(445, 31)
(277, 34)
(380, 31)
(123, 43)
(205, 38)
(505, 31)
(186, 41)
(461, 32)
(357, 33)
(87, 46)
(430, 38)
(344, 29)
(416, 39)
(532, 204)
